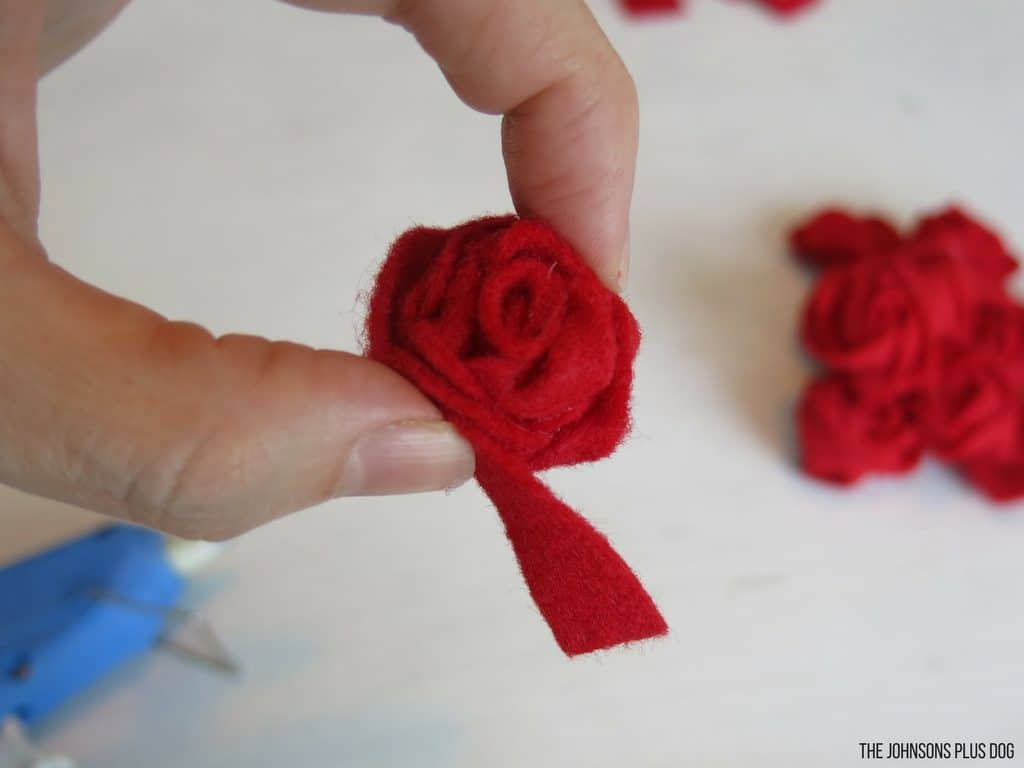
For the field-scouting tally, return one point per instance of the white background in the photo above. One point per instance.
(244, 164)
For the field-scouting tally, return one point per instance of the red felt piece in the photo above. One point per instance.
(850, 426)
(997, 332)
(976, 410)
(891, 313)
(651, 7)
(585, 591)
(975, 242)
(864, 317)
(999, 479)
(657, 7)
(925, 348)
(519, 344)
(788, 7)
(834, 237)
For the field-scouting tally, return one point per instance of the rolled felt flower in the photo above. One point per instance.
(975, 410)
(851, 426)
(925, 346)
(997, 332)
(787, 7)
(862, 317)
(889, 314)
(1000, 479)
(979, 245)
(519, 344)
(651, 7)
(833, 237)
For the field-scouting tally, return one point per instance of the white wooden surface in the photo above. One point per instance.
(245, 164)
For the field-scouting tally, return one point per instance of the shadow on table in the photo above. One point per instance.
(738, 308)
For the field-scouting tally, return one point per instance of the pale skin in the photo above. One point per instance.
(109, 406)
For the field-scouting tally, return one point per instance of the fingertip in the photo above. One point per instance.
(622, 279)
(407, 457)
(604, 248)
(614, 268)
(571, 162)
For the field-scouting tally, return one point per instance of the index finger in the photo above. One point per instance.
(570, 128)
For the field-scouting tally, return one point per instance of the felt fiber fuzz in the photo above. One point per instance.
(511, 334)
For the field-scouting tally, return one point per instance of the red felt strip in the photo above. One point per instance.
(519, 344)
(587, 594)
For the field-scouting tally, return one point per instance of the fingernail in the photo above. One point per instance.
(408, 457)
(623, 276)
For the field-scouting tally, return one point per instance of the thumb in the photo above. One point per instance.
(109, 406)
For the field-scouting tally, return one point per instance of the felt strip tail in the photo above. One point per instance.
(587, 594)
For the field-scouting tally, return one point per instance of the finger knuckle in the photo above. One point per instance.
(193, 491)
(176, 342)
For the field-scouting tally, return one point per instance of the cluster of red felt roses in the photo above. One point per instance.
(784, 7)
(924, 349)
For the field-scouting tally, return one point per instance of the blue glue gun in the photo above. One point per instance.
(71, 614)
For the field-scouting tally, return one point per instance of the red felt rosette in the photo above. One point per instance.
(864, 317)
(515, 339)
(1000, 479)
(974, 242)
(833, 237)
(787, 7)
(925, 349)
(651, 7)
(888, 314)
(851, 426)
(997, 332)
(975, 410)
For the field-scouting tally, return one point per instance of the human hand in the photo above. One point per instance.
(109, 406)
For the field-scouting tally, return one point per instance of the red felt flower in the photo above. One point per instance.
(503, 326)
(975, 410)
(864, 317)
(886, 314)
(997, 332)
(787, 7)
(834, 237)
(999, 479)
(852, 426)
(649, 7)
(926, 347)
(945, 287)
(978, 246)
